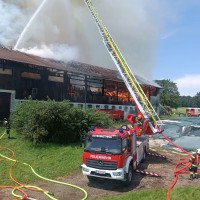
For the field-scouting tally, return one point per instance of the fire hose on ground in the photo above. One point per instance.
(183, 162)
(20, 186)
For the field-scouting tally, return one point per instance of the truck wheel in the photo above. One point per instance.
(144, 155)
(129, 176)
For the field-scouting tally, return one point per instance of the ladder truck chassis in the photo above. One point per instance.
(113, 155)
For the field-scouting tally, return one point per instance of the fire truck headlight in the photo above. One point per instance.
(117, 173)
(85, 169)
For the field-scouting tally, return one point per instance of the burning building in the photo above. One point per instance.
(23, 75)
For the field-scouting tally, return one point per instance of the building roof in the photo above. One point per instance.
(21, 57)
(72, 66)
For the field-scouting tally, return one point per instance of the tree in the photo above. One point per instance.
(170, 95)
(187, 101)
(197, 99)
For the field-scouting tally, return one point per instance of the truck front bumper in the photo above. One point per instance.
(118, 174)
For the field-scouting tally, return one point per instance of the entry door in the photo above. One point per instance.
(4, 105)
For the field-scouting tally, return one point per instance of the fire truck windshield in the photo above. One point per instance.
(103, 145)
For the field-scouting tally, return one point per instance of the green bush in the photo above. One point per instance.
(50, 121)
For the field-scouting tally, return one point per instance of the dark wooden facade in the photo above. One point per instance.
(41, 78)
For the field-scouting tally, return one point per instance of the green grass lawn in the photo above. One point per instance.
(176, 194)
(179, 112)
(48, 160)
(53, 161)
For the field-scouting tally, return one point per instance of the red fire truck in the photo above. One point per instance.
(193, 112)
(113, 153)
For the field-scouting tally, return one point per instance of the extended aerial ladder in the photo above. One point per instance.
(142, 102)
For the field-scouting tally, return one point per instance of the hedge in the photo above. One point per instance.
(50, 121)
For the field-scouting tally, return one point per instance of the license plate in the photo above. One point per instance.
(100, 172)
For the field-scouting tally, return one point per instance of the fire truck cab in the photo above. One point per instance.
(113, 153)
(193, 112)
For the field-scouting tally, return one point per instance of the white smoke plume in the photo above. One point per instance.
(63, 52)
(65, 30)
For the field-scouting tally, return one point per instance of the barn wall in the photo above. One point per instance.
(41, 83)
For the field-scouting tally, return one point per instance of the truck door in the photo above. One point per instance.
(125, 150)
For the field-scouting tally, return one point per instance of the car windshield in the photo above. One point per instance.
(103, 145)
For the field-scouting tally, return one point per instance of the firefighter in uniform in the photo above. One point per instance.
(7, 125)
(195, 159)
(139, 125)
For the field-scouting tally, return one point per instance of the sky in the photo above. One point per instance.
(178, 51)
(159, 39)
